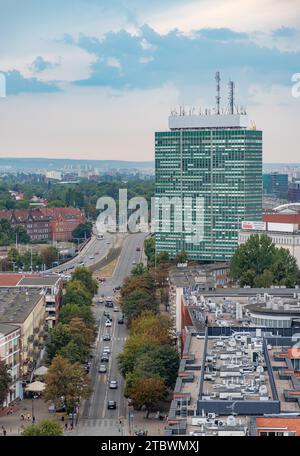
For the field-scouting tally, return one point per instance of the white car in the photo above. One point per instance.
(106, 350)
(108, 323)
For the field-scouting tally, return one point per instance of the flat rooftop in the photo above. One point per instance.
(208, 121)
(16, 303)
(38, 281)
(230, 370)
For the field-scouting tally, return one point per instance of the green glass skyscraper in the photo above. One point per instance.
(217, 159)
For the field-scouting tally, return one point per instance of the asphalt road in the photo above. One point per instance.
(94, 251)
(95, 418)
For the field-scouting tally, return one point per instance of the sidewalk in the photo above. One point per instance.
(13, 423)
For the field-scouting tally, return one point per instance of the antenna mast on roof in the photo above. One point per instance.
(231, 97)
(218, 97)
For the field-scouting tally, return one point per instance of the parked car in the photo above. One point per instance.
(116, 309)
(111, 405)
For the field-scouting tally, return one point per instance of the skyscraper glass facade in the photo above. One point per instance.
(221, 166)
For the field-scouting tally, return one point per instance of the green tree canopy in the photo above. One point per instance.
(76, 293)
(85, 276)
(69, 311)
(259, 263)
(44, 428)
(5, 381)
(84, 230)
(137, 302)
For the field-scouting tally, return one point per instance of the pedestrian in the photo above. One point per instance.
(62, 418)
(66, 426)
(3, 430)
(33, 419)
(22, 417)
(28, 417)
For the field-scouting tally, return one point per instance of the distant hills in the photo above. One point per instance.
(27, 164)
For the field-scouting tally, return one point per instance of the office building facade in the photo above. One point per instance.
(217, 161)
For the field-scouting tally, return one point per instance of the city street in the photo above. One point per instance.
(95, 418)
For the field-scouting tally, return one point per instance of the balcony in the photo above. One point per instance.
(50, 298)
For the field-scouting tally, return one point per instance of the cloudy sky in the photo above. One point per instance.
(95, 78)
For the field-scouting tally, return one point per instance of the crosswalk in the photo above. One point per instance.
(123, 339)
(107, 423)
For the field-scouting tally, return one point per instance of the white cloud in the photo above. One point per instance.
(114, 62)
(277, 113)
(239, 15)
(94, 123)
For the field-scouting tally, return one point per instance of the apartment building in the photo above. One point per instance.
(10, 354)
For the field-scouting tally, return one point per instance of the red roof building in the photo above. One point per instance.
(36, 223)
(63, 221)
(278, 426)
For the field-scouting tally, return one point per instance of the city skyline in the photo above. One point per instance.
(97, 82)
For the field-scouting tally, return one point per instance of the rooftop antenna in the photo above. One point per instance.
(218, 97)
(231, 97)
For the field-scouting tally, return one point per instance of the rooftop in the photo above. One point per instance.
(6, 328)
(16, 304)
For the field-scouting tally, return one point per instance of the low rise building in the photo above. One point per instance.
(25, 308)
(51, 286)
(286, 235)
(34, 221)
(63, 221)
(10, 354)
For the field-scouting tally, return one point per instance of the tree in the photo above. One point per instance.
(138, 301)
(143, 282)
(181, 257)
(6, 237)
(66, 380)
(44, 428)
(161, 361)
(72, 340)
(69, 311)
(59, 338)
(76, 293)
(149, 247)
(259, 262)
(5, 381)
(49, 255)
(84, 230)
(139, 270)
(147, 392)
(129, 355)
(157, 328)
(21, 234)
(163, 258)
(85, 276)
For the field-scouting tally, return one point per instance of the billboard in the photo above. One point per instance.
(255, 226)
(283, 227)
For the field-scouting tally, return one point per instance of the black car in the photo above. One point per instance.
(104, 358)
(106, 338)
(107, 315)
(111, 405)
(120, 321)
